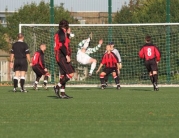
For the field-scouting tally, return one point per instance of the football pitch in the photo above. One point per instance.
(92, 113)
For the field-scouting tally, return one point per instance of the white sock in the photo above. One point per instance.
(93, 66)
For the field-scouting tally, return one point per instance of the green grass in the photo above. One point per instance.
(92, 113)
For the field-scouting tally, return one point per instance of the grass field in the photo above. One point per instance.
(92, 113)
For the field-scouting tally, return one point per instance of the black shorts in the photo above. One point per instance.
(151, 65)
(39, 71)
(65, 67)
(110, 70)
(20, 64)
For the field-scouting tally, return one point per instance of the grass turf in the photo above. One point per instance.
(92, 113)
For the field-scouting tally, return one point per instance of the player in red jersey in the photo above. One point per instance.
(111, 63)
(151, 54)
(38, 66)
(62, 56)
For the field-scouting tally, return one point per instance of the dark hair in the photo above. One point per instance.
(148, 38)
(64, 24)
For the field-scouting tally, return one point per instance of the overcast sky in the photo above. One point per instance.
(71, 5)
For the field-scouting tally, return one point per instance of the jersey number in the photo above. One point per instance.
(149, 52)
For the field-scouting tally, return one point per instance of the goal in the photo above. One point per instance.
(128, 38)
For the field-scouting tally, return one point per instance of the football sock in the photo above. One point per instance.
(45, 80)
(15, 82)
(22, 82)
(155, 76)
(116, 78)
(106, 78)
(152, 79)
(102, 79)
(93, 66)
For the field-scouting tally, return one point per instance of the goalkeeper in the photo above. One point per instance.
(84, 51)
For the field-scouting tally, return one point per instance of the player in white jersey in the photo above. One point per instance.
(84, 51)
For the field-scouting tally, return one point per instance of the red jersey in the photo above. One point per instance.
(61, 46)
(149, 51)
(109, 60)
(38, 59)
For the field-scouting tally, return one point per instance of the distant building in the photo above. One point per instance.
(3, 17)
(91, 17)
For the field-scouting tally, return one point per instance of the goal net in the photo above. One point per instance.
(127, 38)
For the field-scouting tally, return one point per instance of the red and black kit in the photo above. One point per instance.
(151, 54)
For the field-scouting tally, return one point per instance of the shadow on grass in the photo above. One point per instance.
(140, 89)
(53, 97)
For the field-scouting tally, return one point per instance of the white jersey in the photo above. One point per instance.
(116, 52)
(83, 57)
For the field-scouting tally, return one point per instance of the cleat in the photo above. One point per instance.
(90, 75)
(23, 90)
(118, 87)
(156, 88)
(35, 87)
(14, 90)
(64, 96)
(56, 90)
(44, 86)
(103, 86)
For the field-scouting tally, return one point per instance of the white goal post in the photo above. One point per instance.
(127, 39)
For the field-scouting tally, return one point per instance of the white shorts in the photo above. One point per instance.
(83, 58)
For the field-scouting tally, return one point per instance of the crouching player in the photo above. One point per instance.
(84, 51)
(38, 66)
(112, 65)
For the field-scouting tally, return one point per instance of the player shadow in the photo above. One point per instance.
(54, 97)
(135, 89)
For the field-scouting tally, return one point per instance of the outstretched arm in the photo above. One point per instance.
(95, 49)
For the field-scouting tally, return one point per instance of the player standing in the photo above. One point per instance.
(84, 51)
(151, 54)
(116, 52)
(38, 66)
(111, 63)
(18, 61)
(62, 55)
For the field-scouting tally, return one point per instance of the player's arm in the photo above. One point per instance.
(100, 66)
(12, 57)
(95, 49)
(27, 54)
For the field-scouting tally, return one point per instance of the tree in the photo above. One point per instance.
(3, 39)
(147, 11)
(36, 14)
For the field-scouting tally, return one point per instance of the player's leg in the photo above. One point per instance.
(46, 76)
(15, 80)
(93, 62)
(116, 78)
(22, 80)
(63, 82)
(38, 76)
(103, 84)
(154, 69)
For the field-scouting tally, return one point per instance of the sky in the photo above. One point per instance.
(71, 5)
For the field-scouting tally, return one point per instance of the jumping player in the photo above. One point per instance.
(38, 66)
(62, 56)
(151, 54)
(111, 63)
(84, 51)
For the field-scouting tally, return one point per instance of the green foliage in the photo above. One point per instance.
(147, 11)
(3, 37)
